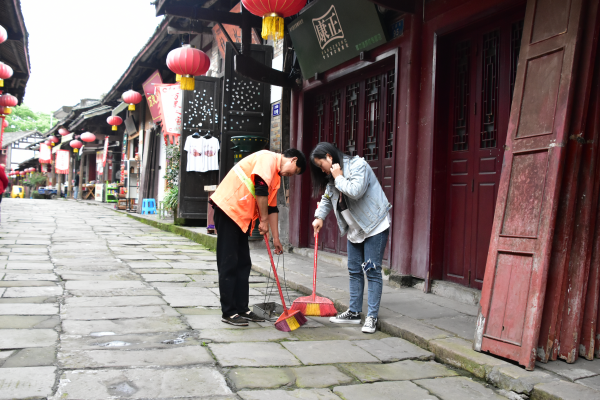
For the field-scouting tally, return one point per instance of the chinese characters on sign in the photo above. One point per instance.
(45, 154)
(62, 162)
(328, 28)
(149, 85)
(170, 103)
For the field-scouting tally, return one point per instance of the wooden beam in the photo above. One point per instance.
(409, 6)
(13, 35)
(252, 69)
(178, 26)
(204, 14)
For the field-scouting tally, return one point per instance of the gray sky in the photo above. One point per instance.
(79, 48)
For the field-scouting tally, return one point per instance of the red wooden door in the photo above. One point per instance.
(482, 81)
(517, 263)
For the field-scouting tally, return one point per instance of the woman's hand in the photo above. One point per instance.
(336, 171)
(317, 225)
(278, 247)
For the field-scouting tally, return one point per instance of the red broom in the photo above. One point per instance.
(314, 305)
(289, 320)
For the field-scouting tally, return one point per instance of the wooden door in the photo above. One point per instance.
(517, 263)
(482, 74)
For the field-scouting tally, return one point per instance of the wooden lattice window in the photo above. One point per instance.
(372, 105)
(335, 116)
(460, 135)
(351, 123)
(489, 89)
(320, 118)
(389, 115)
(516, 35)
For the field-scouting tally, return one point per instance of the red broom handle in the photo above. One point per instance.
(314, 293)
(275, 273)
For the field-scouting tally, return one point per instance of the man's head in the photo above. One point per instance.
(293, 162)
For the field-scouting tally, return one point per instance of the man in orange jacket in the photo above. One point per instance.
(248, 193)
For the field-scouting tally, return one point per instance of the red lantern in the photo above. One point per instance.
(48, 143)
(88, 137)
(132, 98)
(5, 110)
(8, 100)
(76, 145)
(4, 123)
(5, 73)
(3, 34)
(54, 139)
(273, 12)
(22, 173)
(115, 121)
(63, 132)
(188, 62)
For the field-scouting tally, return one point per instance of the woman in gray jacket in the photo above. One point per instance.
(350, 188)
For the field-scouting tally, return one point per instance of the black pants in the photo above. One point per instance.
(233, 263)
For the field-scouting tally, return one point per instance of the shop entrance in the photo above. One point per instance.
(356, 115)
(474, 107)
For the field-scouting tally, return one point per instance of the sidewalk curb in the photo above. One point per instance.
(446, 347)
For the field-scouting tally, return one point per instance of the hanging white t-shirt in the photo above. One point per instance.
(202, 154)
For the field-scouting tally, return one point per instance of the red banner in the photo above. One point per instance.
(149, 90)
(170, 103)
(62, 162)
(45, 154)
(105, 152)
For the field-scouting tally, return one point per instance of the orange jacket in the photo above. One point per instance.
(233, 196)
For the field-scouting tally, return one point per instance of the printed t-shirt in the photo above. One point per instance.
(202, 154)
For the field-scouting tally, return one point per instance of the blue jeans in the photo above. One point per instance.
(366, 257)
(75, 192)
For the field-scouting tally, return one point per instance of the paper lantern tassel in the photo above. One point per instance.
(188, 83)
(272, 27)
(114, 128)
(1, 82)
(177, 78)
(131, 108)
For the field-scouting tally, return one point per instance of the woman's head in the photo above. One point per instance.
(323, 156)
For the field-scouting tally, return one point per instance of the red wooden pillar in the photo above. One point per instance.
(519, 256)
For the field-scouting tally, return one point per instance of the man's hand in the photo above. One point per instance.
(317, 225)
(278, 246)
(263, 227)
(336, 171)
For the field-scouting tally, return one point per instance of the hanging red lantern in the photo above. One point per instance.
(273, 12)
(88, 137)
(3, 34)
(54, 139)
(8, 100)
(76, 145)
(63, 132)
(6, 72)
(115, 121)
(4, 123)
(22, 173)
(5, 110)
(48, 143)
(188, 62)
(132, 98)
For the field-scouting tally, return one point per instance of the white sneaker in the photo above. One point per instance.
(347, 317)
(370, 325)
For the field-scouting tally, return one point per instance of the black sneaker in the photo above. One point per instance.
(235, 320)
(250, 316)
(347, 317)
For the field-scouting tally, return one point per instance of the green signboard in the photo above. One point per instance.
(330, 32)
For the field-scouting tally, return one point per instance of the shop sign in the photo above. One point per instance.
(45, 154)
(397, 29)
(330, 32)
(99, 168)
(62, 162)
(170, 103)
(235, 33)
(149, 85)
(105, 154)
(276, 109)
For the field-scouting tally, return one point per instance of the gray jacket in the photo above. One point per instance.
(364, 196)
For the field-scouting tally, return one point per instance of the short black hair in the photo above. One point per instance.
(301, 163)
(319, 178)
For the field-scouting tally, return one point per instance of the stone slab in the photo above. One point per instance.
(28, 321)
(563, 390)
(166, 383)
(104, 285)
(593, 382)
(214, 322)
(124, 326)
(516, 379)
(28, 309)
(193, 301)
(29, 265)
(133, 341)
(304, 394)
(30, 277)
(458, 388)
(320, 376)
(30, 382)
(580, 369)
(329, 352)
(335, 333)
(114, 292)
(398, 371)
(384, 391)
(25, 338)
(34, 291)
(92, 313)
(7, 284)
(186, 291)
(394, 349)
(22, 257)
(260, 378)
(120, 301)
(243, 335)
(166, 278)
(252, 355)
(32, 357)
(174, 357)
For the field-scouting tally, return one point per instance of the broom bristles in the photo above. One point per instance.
(319, 307)
(290, 321)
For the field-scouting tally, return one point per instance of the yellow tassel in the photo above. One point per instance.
(114, 128)
(1, 82)
(131, 107)
(177, 78)
(313, 309)
(75, 150)
(292, 323)
(188, 83)
(7, 110)
(272, 27)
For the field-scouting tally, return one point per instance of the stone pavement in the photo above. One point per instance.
(95, 305)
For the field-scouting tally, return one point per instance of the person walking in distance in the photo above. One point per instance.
(76, 186)
(249, 191)
(349, 187)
